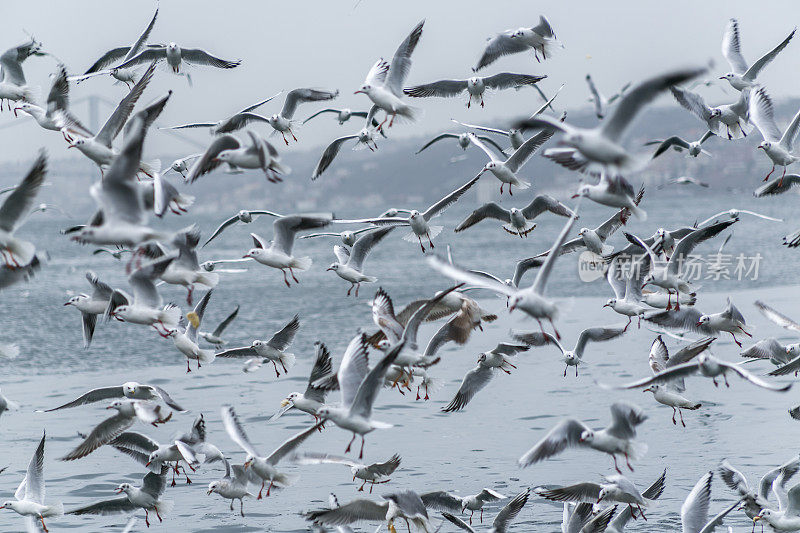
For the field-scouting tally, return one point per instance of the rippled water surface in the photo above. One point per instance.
(460, 452)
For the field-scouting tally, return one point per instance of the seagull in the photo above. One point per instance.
(516, 219)
(601, 103)
(667, 274)
(255, 153)
(540, 38)
(120, 55)
(419, 221)
(363, 138)
(232, 487)
(343, 115)
(708, 366)
(652, 493)
(13, 87)
(613, 191)
(773, 481)
(477, 378)
(230, 124)
(530, 300)
(215, 337)
(500, 523)
(185, 270)
(582, 517)
(131, 390)
(14, 251)
(733, 214)
(694, 511)
(733, 116)
(572, 357)
(144, 307)
(282, 122)
(693, 148)
(669, 394)
(778, 186)
(463, 141)
(514, 135)
(506, 171)
(616, 439)
(406, 505)
(148, 497)
(314, 396)
(264, 467)
(743, 77)
(475, 86)
(175, 56)
(788, 518)
(349, 265)
(770, 349)
(374, 474)
(99, 148)
(279, 254)
(272, 351)
(212, 266)
(30, 494)
(348, 238)
(685, 180)
(56, 116)
(729, 320)
(123, 212)
(244, 216)
(450, 502)
(186, 341)
(359, 386)
(615, 489)
(600, 147)
(627, 299)
(520, 269)
(181, 166)
(384, 82)
(776, 144)
(128, 411)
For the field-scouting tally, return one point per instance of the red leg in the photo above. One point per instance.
(260, 490)
(347, 450)
(770, 173)
(277, 374)
(285, 279)
(616, 467)
(361, 453)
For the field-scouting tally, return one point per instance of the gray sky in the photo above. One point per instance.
(283, 47)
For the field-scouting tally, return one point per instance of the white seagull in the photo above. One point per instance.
(349, 264)
(778, 146)
(475, 86)
(516, 219)
(741, 76)
(540, 38)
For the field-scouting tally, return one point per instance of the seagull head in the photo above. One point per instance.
(257, 344)
(9, 505)
(414, 214)
(208, 266)
(172, 332)
(521, 32)
(602, 494)
(334, 267)
(765, 145)
(77, 143)
(611, 302)
(130, 388)
(125, 487)
(383, 345)
(255, 252)
(244, 216)
(651, 388)
(793, 349)
(289, 400)
(117, 404)
(173, 46)
(490, 166)
(729, 76)
(703, 320)
(583, 231)
(587, 436)
(212, 487)
(154, 456)
(223, 156)
(75, 299)
(248, 462)
(365, 89)
(25, 107)
(348, 238)
(482, 358)
(765, 513)
(582, 191)
(716, 112)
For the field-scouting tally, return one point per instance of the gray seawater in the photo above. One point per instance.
(460, 452)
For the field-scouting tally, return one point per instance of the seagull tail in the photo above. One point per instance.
(280, 168)
(285, 480)
(638, 212)
(151, 168)
(302, 263)
(411, 113)
(165, 506)
(522, 185)
(637, 450)
(170, 316)
(31, 94)
(56, 509)
(288, 359)
(369, 279)
(206, 356)
(209, 279)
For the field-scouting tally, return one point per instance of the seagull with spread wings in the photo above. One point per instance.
(230, 124)
(778, 146)
(253, 153)
(374, 474)
(516, 219)
(742, 76)
(314, 396)
(269, 351)
(14, 251)
(349, 264)
(540, 38)
(475, 86)
(601, 103)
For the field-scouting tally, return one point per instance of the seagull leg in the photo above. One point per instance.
(407, 524)
(231, 504)
(714, 381)
(292, 134)
(361, 488)
(673, 417)
(780, 182)
(469, 100)
(745, 332)
(43, 526)
(669, 300)
(626, 325)
(501, 187)
(419, 238)
(260, 490)
(725, 377)
(565, 370)
(347, 450)
(628, 462)
(361, 453)
(284, 367)
(146, 518)
(275, 366)
(471, 513)
(639, 325)
(269, 487)
(357, 287)
(285, 279)
(641, 512)
(481, 515)
(287, 144)
(430, 242)
(576, 371)
(392, 121)
(351, 288)
(739, 344)
(681, 415)
(677, 300)
(770, 173)
(291, 271)
(616, 467)
(158, 514)
(427, 397)
(241, 506)
(481, 99)
(189, 294)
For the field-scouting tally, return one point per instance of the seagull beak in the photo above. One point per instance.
(648, 389)
(118, 490)
(721, 77)
(511, 307)
(759, 147)
(68, 303)
(147, 463)
(286, 402)
(756, 519)
(606, 305)
(574, 196)
(245, 256)
(699, 323)
(15, 111)
(329, 268)
(359, 91)
(209, 491)
(109, 407)
(71, 146)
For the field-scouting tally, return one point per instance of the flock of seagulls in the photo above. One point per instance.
(131, 191)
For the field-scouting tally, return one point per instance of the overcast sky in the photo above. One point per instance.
(328, 43)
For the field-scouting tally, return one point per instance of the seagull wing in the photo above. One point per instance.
(401, 62)
(732, 48)
(500, 45)
(371, 384)
(755, 380)
(526, 150)
(580, 492)
(542, 203)
(565, 434)
(104, 433)
(487, 210)
(465, 276)
(544, 272)
(509, 512)
(364, 245)
(766, 59)
(282, 338)
(329, 154)
(694, 511)
(762, 114)
(353, 368)
(458, 522)
(523, 266)
(437, 139)
(441, 88)
(777, 317)
(299, 96)
(596, 335)
(21, 199)
(94, 395)
(624, 419)
(439, 207)
(222, 227)
(196, 56)
(117, 120)
(474, 380)
(137, 46)
(208, 161)
(508, 80)
(348, 513)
